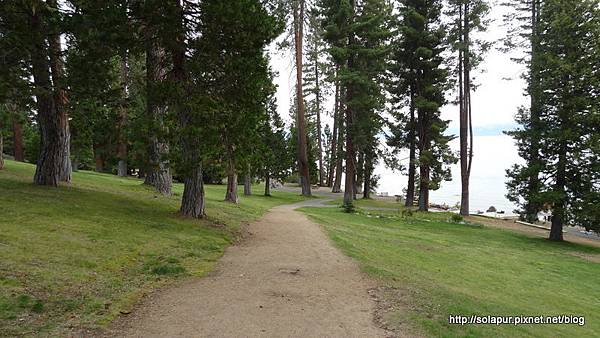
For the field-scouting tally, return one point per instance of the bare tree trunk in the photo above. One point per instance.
(349, 186)
(301, 123)
(412, 164)
(466, 131)
(19, 150)
(247, 185)
(232, 177)
(424, 165)
(122, 123)
(159, 174)
(368, 173)
(333, 149)
(60, 100)
(193, 199)
(231, 194)
(268, 184)
(558, 209)
(48, 164)
(99, 163)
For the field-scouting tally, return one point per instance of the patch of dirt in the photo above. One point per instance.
(284, 280)
(512, 225)
(393, 305)
(587, 257)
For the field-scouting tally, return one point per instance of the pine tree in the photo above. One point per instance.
(314, 81)
(524, 30)
(568, 87)
(468, 18)
(235, 75)
(419, 55)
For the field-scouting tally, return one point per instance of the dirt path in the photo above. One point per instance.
(285, 280)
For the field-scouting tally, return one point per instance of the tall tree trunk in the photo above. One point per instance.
(268, 184)
(558, 209)
(122, 122)
(247, 185)
(349, 188)
(99, 162)
(412, 164)
(424, 165)
(193, 199)
(19, 150)
(47, 171)
(158, 174)
(301, 123)
(319, 134)
(232, 177)
(466, 130)
(334, 141)
(60, 99)
(532, 207)
(231, 194)
(368, 173)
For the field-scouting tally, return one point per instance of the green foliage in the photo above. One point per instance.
(566, 134)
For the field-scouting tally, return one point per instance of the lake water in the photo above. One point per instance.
(492, 156)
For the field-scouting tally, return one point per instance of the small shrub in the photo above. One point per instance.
(407, 212)
(456, 218)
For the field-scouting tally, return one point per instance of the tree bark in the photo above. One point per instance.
(99, 163)
(60, 99)
(349, 186)
(122, 123)
(301, 123)
(424, 165)
(368, 173)
(19, 150)
(231, 194)
(193, 200)
(48, 164)
(158, 174)
(558, 209)
(268, 184)
(412, 164)
(247, 185)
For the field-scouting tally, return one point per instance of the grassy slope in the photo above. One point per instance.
(78, 255)
(435, 268)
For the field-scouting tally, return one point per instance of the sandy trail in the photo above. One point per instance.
(285, 280)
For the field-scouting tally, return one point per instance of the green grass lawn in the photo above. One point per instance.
(429, 268)
(77, 256)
